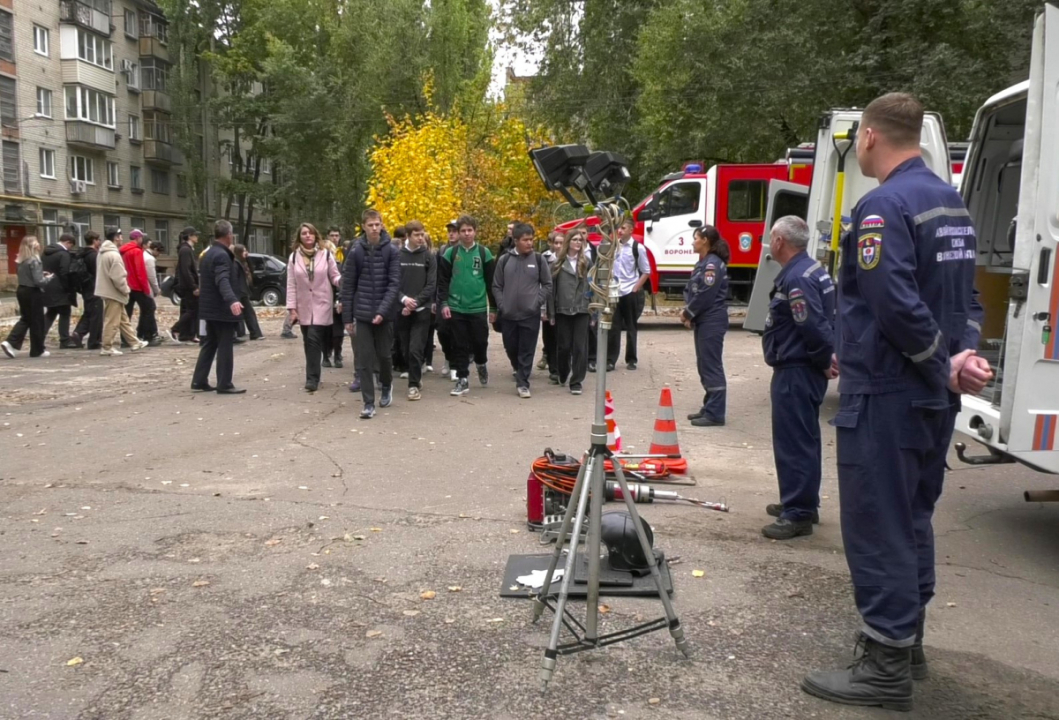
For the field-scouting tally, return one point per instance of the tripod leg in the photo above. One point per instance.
(564, 531)
(675, 629)
(594, 480)
(551, 653)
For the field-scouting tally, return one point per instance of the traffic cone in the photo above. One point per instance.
(613, 433)
(665, 441)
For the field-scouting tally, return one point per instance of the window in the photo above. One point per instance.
(159, 181)
(135, 180)
(90, 105)
(41, 40)
(43, 102)
(12, 176)
(8, 101)
(135, 133)
(266, 167)
(156, 126)
(82, 223)
(153, 26)
(7, 36)
(182, 185)
(51, 227)
(132, 74)
(113, 176)
(137, 224)
(161, 233)
(83, 168)
(47, 163)
(679, 199)
(747, 200)
(111, 221)
(132, 27)
(154, 74)
(94, 49)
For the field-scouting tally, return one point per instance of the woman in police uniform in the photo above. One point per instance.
(706, 312)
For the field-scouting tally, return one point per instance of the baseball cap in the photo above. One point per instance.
(135, 235)
(451, 224)
(188, 232)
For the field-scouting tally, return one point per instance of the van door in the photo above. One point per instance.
(1020, 417)
(785, 198)
(675, 213)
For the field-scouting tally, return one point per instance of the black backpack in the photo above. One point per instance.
(80, 279)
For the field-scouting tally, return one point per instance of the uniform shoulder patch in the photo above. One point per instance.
(710, 276)
(799, 305)
(869, 250)
(873, 222)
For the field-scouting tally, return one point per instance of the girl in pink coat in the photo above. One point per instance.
(311, 271)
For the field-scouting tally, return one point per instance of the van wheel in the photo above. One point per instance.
(270, 297)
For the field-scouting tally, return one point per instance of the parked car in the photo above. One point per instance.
(270, 279)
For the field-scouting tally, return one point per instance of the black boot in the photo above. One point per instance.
(919, 658)
(879, 675)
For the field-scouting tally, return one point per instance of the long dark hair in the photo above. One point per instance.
(240, 253)
(718, 245)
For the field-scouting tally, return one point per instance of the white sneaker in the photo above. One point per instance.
(404, 376)
(45, 354)
(8, 350)
(430, 368)
(445, 369)
(112, 351)
(140, 345)
(524, 393)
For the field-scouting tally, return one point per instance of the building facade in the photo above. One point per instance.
(85, 138)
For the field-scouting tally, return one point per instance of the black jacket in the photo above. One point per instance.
(90, 255)
(419, 276)
(240, 285)
(56, 260)
(216, 295)
(187, 271)
(371, 279)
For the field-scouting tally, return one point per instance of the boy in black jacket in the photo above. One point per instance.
(418, 287)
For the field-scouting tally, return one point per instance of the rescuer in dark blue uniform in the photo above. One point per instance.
(798, 345)
(906, 332)
(706, 312)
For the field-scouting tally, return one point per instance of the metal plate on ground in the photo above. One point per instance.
(518, 565)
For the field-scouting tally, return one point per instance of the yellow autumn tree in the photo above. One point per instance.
(436, 166)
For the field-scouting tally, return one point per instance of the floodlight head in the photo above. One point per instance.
(607, 173)
(559, 165)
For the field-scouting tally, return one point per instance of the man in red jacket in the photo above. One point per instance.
(140, 289)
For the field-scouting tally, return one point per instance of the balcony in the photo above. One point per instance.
(153, 47)
(156, 100)
(161, 153)
(87, 16)
(87, 135)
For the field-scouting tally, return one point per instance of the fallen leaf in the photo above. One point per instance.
(72, 662)
(654, 701)
(495, 620)
(604, 609)
(359, 537)
(514, 531)
(698, 573)
(302, 487)
(325, 582)
(200, 583)
(155, 591)
(427, 595)
(373, 634)
(410, 613)
(449, 621)
(42, 512)
(273, 542)
(950, 604)
(376, 529)
(455, 588)
(311, 566)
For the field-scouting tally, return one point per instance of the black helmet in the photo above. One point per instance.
(619, 535)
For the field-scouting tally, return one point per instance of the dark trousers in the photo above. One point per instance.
(30, 319)
(428, 348)
(335, 336)
(412, 332)
(314, 339)
(571, 351)
(470, 339)
(550, 354)
(709, 349)
(248, 320)
(520, 343)
(626, 315)
(146, 327)
(188, 325)
(445, 339)
(796, 394)
(63, 313)
(91, 322)
(219, 343)
(891, 467)
(373, 343)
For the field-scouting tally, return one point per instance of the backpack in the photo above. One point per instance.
(80, 278)
(168, 287)
(636, 261)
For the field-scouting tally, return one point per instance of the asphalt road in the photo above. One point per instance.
(264, 556)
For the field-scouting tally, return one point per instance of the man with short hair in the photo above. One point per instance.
(139, 286)
(798, 347)
(522, 286)
(59, 296)
(91, 322)
(632, 270)
(465, 294)
(187, 287)
(371, 279)
(418, 289)
(219, 311)
(906, 333)
(113, 287)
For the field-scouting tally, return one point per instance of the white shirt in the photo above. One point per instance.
(625, 270)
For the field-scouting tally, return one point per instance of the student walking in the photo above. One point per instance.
(187, 287)
(570, 303)
(112, 285)
(30, 294)
(59, 296)
(243, 281)
(522, 286)
(91, 322)
(418, 288)
(311, 271)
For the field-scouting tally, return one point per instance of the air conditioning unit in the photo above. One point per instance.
(77, 187)
(126, 66)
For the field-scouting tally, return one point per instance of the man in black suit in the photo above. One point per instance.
(219, 311)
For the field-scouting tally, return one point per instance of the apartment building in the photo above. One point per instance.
(85, 139)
